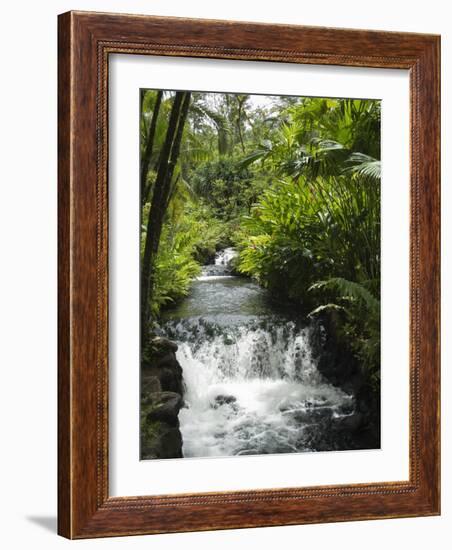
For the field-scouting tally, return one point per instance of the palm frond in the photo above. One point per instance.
(325, 307)
(364, 165)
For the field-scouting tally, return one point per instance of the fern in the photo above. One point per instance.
(350, 290)
(362, 323)
(325, 307)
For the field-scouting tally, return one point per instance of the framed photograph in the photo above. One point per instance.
(248, 275)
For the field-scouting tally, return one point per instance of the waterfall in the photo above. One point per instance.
(221, 266)
(225, 257)
(252, 390)
(251, 381)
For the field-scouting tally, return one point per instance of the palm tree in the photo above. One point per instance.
(169, 156)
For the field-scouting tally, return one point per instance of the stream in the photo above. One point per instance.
(252, 385)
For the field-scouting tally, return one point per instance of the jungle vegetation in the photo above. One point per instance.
(292, 183)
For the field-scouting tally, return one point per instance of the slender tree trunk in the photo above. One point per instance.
(162, 187)
(223, 145)
(241, 101)
(175, 151)
(146, 160)
(172, 190)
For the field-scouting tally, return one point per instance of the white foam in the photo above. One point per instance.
(239, 391)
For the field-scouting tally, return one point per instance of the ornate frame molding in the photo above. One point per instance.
(85, 42)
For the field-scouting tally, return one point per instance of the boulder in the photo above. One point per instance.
(334, 360)
(150, 384)
(160, 346)
(224, 400)
(163, 407)
(167, 360)
(350, 424)
(161, 399)
(160, 440)
(171, 379)
(162, 364)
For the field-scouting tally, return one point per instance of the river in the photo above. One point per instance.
(252, 386)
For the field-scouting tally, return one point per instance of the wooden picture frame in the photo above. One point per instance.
(86, 40)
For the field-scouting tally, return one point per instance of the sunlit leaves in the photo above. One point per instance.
(295, 185)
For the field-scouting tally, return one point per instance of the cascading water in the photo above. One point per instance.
(222, 265)
(252, 386)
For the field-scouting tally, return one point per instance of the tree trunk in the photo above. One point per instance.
(168, 159)
(241, 101)
(145, 161)
(175, 151)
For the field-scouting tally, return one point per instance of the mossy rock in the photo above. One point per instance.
(159, 440)
(150, 384)
(162, 406)
(161, 346)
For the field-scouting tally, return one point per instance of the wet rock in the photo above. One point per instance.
(171, 380)
(160, 346)
(160, 440)
(350, 423)
(163, 407)
(346, 408)
(150, 384)
(335, 361)
(224, 400)
(167, 360)
(162, 391)
(303, 416)
(162, 364)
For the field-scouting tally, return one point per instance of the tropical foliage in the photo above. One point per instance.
(293, 183)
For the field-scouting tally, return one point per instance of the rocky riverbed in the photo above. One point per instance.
(249, 378)
(162, 392)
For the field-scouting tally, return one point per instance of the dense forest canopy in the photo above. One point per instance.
(292, 183)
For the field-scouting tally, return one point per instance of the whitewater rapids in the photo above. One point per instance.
(251, 381)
